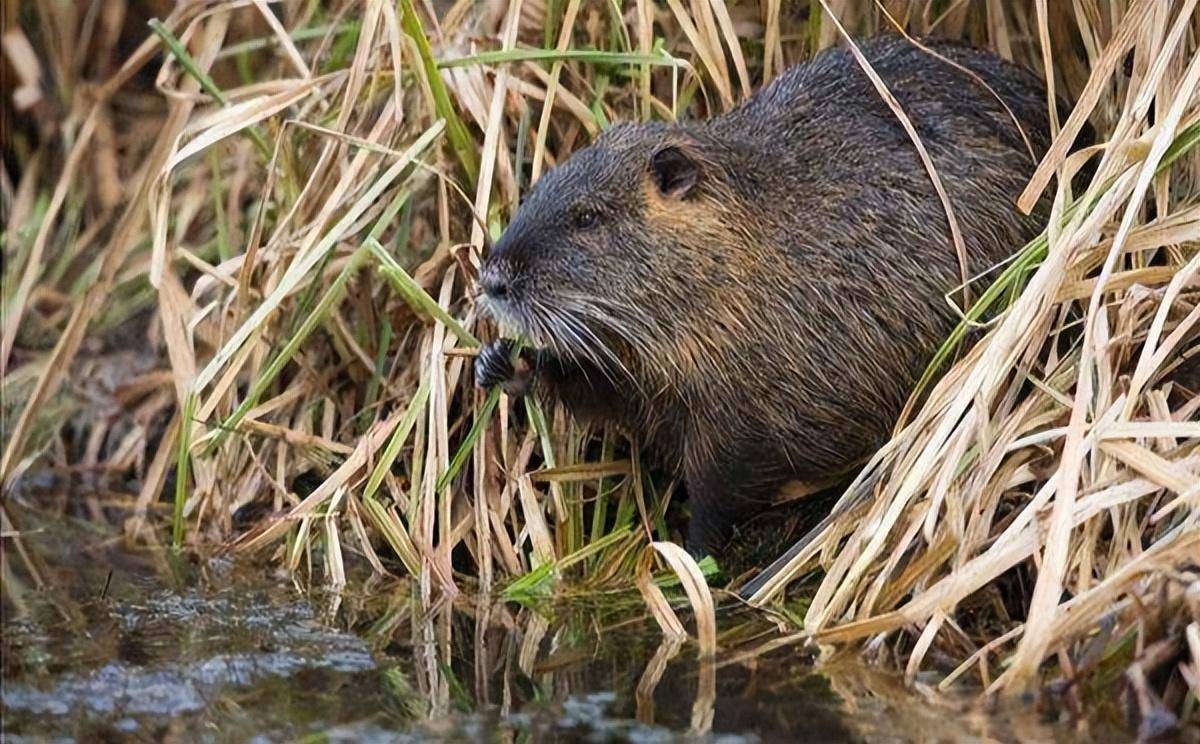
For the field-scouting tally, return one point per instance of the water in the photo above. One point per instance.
(124, 645)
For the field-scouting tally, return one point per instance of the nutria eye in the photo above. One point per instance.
(586, 218)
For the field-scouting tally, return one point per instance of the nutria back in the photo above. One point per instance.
(754, 296)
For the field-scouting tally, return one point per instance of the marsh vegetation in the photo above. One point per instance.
(240, 245)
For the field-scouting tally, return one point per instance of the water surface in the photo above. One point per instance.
(126, 644)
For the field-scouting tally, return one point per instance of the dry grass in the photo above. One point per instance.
(301, 203)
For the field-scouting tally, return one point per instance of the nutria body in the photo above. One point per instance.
(754, 296)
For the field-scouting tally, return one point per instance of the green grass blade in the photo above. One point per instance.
(417, 298)
(590, 56)
(187, 62)
(206, 83)
(311, 321)
(393, 533)
(272, 41)
(460, 139)
(398, 438)
(482, 416)
(536, 584)
(183, 462)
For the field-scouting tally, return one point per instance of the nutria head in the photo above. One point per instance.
(611, 251)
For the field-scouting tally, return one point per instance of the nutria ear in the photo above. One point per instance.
(675, 171)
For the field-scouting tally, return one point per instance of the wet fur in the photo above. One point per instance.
(769, 324)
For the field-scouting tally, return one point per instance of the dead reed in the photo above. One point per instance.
(299, 203)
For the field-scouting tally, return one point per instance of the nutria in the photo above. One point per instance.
(754, 296)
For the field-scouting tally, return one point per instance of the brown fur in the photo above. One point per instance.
(758, 293)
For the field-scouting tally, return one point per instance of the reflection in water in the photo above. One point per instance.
(163, 648)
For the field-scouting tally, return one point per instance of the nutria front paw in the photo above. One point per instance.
(494, 366)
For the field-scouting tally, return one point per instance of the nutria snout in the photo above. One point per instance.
(755, 295)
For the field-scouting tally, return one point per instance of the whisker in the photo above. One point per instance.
(582, 342)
